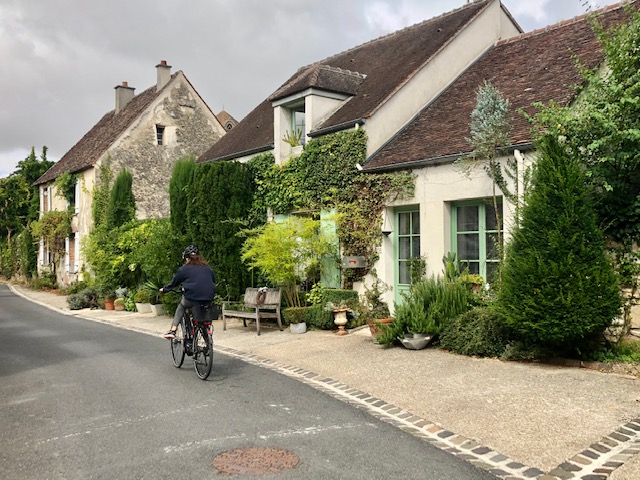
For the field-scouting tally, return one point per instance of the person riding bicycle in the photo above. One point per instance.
(198, 282)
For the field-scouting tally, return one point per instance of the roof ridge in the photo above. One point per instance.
(564, 23)
(396, 32)
(342, 70)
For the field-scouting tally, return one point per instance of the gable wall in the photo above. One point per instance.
(491, 25)
(196, 129)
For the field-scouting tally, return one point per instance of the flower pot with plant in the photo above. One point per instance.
(118, 304)
(296, 318)
(141, 299)
(373, 309)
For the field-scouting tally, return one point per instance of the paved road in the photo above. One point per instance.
(83, 400)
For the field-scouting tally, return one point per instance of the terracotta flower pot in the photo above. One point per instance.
(108, 304)
(374, 328)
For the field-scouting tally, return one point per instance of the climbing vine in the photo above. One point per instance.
(325, 177)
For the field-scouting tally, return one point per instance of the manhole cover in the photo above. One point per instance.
(255, 461)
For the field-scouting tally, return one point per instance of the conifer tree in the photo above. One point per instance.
(122, 205)
(559, 290)
(181, 177)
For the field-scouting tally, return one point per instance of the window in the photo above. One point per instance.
(160, 134)
(45, 199)
(408, 225)
(298, 124)
(475, 237)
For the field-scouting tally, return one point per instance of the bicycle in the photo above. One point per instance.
(194, 338)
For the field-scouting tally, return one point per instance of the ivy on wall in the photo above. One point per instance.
(325, 177)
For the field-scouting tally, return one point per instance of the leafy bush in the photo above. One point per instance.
(122, 205)
(479, 332)
(141, 296)
(75, 287)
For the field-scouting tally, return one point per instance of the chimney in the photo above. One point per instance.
(164, 74)
(124, 94)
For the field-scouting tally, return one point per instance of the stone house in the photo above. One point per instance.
(413, 92)
(146, 134)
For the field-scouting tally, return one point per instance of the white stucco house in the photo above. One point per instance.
(146, 134)
(413, 92)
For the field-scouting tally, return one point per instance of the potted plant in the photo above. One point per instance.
(107, 293)
(296, 318)
(155, 304)
(373, 309)
(141, 299)
(118, 304)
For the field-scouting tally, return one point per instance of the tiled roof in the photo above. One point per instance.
(323, 77)
(99, 139)
(387, 62)
(534, 67)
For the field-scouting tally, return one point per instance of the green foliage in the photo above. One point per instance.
(100, 195)
(31, 169)
(260, 167)
(480, 332)
(86, 298)
(558, 288)
(602, 131)
(53, 228)
(181, 178)
(122, 205)
(627, 351)
(294, 138)
(285, 251)
(141, 296)
(15, 199)
(66, 186)
(221, 198)
(27, 252)
(428, 306)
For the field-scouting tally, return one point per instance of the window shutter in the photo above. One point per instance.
(77, 197)
(66, 254)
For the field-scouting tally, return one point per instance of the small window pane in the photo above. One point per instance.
(468, 218)
(403, 273)
(492, 246)
(468, 246)
(474, 267)
(415, 223)
(404, 248)
(492, 271)
(490, 217)
(415, 250)
(404, 223)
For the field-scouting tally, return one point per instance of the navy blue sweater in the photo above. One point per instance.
(198, 281)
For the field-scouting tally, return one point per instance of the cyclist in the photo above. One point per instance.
(198, 281)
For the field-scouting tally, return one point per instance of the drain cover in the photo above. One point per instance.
(255, 461)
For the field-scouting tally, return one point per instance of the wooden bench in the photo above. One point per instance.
(252, 308)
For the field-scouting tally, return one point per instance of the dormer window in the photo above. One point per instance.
(298, 126)
(160, 134)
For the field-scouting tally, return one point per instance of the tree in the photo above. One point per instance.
(122, 204)
(490, 127)
(53, 228)
(285, 251)
(15, 198)
(181, 177)
(602, 131)
(558, 289)
(31, 169)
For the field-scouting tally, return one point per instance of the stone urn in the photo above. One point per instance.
(340, 319)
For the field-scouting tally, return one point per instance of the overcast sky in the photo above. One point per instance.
(61, 59)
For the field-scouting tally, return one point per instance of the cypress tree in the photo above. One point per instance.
(559, 290)
(181, 177)
(220, 200)
(122, 205)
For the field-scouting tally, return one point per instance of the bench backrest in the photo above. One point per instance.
(272, 298)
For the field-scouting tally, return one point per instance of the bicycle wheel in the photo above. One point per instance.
(202, 352)
(177, 346)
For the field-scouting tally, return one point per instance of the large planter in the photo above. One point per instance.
(108, 303)
(143, 307)
(415, 341)
(340, 319)
(157, 309)
(298, 327)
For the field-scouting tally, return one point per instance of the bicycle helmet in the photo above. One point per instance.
(190, 251)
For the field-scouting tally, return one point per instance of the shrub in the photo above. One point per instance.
(141, 296)
(427, 308)
(122, 205)
(480, 332)
(294, 315)
(86, 298)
